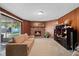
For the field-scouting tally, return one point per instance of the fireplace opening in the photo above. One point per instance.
(37, 33)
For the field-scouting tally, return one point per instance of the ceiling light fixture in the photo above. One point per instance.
(40, 12)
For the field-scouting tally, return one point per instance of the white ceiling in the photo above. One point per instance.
(29, 11)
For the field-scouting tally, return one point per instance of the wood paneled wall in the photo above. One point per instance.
(73, 18)
(78, 24)
(25, 27)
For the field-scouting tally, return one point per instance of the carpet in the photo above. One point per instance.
(48, 47)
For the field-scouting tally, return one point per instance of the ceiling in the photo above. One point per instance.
(30, 11)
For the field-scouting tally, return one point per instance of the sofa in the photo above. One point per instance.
(20, 45)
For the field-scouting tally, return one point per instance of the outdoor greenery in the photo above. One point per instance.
(12, 27)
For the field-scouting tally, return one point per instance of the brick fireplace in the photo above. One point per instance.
(38, 32)
(37, 29)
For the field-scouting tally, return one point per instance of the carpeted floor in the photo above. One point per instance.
(48, 47)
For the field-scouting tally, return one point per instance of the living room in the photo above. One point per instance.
(39, 29)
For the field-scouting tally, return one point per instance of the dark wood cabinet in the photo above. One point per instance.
(66, 36)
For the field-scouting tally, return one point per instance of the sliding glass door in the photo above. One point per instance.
(9, 28)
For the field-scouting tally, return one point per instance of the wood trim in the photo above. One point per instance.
(9, 14)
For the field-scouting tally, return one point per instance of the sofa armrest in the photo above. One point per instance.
(16, 49)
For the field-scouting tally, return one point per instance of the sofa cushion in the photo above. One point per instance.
(20, 39)
(26, 36)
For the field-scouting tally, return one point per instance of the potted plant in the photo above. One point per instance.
(47, 35)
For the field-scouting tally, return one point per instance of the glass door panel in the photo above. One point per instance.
(9, 28)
